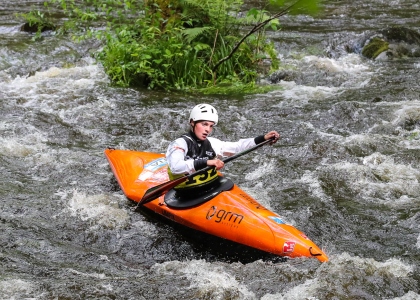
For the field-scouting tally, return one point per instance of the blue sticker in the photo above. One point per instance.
(155, 164)
(277, 220)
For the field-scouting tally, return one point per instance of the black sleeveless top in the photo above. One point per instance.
(200, 152)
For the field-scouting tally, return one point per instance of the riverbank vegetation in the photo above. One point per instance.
(178, 44)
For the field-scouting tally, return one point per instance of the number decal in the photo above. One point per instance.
(201, 177)
(190, 181)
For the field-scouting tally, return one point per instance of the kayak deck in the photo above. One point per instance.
(190, 199)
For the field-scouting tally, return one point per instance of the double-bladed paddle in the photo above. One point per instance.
(163, 188)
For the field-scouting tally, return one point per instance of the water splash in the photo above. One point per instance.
(99, 210)
(206, 280)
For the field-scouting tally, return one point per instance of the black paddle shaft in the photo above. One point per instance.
(161, 189)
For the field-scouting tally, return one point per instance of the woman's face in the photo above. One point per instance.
(202, 129)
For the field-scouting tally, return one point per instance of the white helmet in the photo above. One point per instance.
(204, 112)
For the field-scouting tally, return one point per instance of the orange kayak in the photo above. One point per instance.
(224, 211)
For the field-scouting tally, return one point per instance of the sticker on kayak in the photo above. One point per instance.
(155, 164)
(277, 220)
(288, 247)
(151, 167)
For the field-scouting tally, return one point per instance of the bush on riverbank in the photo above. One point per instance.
(177, 48)
(177, 44)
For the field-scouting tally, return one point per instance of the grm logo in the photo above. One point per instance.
(222, 215)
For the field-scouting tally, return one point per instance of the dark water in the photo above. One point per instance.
(346, 171)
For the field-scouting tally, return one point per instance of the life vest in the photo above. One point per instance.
(196, 150)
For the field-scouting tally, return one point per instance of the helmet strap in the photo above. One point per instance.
(192, 124)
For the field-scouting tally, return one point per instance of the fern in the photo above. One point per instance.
(191, 34)
(212, 12)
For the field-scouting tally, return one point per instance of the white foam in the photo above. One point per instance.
(409, 110)
(394, 178)
(392, 266)
(350, 70)
(338, 268)
(54, 87)
(102, 210)
(23, 146)
(310, 179)
(10, 288)
(303, 291)
(301, 94)
(351, 64)
(379, 179)
(208, 280)
(409, 296)
(262, 170)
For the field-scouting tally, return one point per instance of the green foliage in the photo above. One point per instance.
(36, 22)
(238, 89)
(175, 44)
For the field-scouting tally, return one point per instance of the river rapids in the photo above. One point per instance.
(346, 171)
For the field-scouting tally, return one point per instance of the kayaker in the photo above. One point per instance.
(195, 150)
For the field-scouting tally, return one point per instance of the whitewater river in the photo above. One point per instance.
(346, 172)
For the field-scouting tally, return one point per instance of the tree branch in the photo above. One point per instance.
(256, 28)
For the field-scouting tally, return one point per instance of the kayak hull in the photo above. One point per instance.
(231, 215)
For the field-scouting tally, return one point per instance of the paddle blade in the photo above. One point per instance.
(160, 189)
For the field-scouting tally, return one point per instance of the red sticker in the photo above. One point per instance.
(288, 247)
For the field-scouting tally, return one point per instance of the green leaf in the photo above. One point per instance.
(201, 46)
(192, 33)
(253, 12)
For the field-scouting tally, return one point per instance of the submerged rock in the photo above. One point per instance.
(33, 28)
(375, 47)
(394, 42)
(401, 34)
(278, 76)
